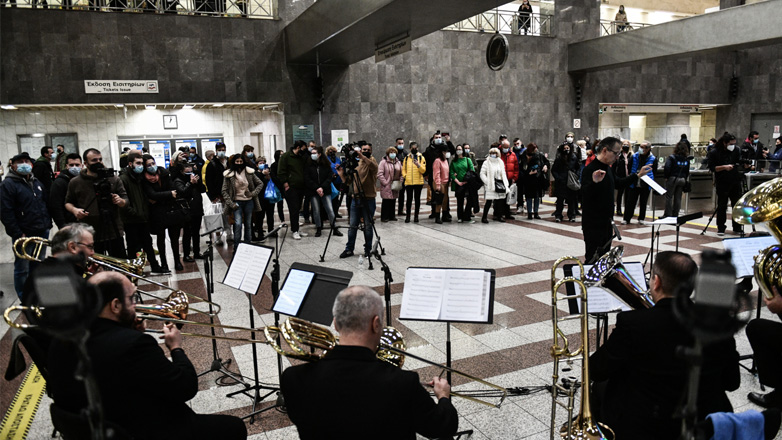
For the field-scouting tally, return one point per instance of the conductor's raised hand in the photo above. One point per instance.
(441, 387)
(598, 176)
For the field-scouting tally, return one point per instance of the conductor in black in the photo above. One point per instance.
(351, 394)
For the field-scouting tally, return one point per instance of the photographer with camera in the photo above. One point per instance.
(95, 197)
(725, 163)
(359, 172)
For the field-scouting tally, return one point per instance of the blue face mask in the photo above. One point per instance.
(400, 146)
(221, 154)
(74, 171)
(392, 156)
(24, 169)
(250, 154)
(438, 141)
(152, 169)
(138, 169)
(755, 141)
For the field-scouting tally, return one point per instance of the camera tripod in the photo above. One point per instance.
(744, 190)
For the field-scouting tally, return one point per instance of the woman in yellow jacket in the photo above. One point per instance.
(413, 169)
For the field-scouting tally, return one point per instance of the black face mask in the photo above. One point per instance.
(237, 166)
(302, 152)
(367, 153)
(94, 167)
(332, 154)
(414, 151)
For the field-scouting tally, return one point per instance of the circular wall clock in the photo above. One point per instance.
(497, 51)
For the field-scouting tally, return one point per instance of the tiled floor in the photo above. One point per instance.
(511, 352)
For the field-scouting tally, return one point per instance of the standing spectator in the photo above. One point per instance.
(59, 190)
(334, 162)
(389, 171)
(776, 157)
(318, 177)
(361, 182)
(621, 170)
(273, 174)
(712, 143)
(135, 216)
(101, 211)
(525, 13)
(511, 162)
(267, 209)
(684, 139)
(248, 155)
(195, 159)
(639, 190)
(42, 170)
(413, 172)
(567, 161)
(723, 162)
(23, 212)
(210, 154)
(400, 157)
(430, 155)
(291, 174)
(534, 169)
(241, 187)
(161, 194)
(441, 175)
(753, 149)
(677, 169)
(518, 150)
(214, 185)
(189, 188)
(459, 168)
(60, 159)
(620, 20)
(493, 170)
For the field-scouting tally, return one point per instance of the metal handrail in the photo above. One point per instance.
(263, 9)
(507, 22)
(611, 27)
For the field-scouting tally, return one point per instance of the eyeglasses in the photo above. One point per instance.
(616, 152)
(135, 298)
(88, 246)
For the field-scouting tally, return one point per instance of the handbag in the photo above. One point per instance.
(687, 186)
(437, 198)
(573, 183)
(177, 214)
(334, 192)
(511, 197)
(396, 185)
(499, 186)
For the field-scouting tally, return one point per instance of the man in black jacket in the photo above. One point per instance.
(214, 184)
(135, 216)
(42, 169)
(59, 190)
(644, 379)
(351, 393)
(123, 356)
(725, 162)
(597, 187)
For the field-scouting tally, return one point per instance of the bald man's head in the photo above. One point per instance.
(116, 295)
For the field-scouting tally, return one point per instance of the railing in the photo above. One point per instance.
(226, 8)
(610, 27)
(506, 22)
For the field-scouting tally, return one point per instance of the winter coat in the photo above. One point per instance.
(254, 184)
(137, 209)
(414, 175)
(56, 203)
(493, 169)
(533, 183)
(562, 164)
(160, 199)
(23, 207)
(636, 165)
(677, 166)
(440, 172)
(291, 170)
(189, 192)
(621, 166)
(337, 161)
(511, 165)
(388, 172)
(318, 176)
(214, 178)
(774, 160)
(42, 170)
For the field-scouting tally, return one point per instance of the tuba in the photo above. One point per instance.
(763, 204)
(584, 426)
(609, 273)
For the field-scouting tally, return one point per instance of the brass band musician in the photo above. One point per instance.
(765, 337)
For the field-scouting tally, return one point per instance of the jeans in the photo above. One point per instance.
(633, 195)
(22, 267)
(532, 205)
(315, 201)
(243, 215)
(356, 206)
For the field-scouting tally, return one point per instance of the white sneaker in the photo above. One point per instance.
(720, 234)
(459, 221)
(624, 222)
(296, 236)
(303, 234)
(301, 222)
(641, 222)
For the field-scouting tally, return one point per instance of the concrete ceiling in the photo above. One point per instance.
(158, 106)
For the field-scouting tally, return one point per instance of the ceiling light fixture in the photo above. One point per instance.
(217, 105)
(8, 107)
(188, 106)
(150, 106)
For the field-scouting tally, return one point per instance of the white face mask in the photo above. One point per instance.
(569, 139)
(493, 156)
(731, 147)
(459, 152)
(447, 155)
(466, 151)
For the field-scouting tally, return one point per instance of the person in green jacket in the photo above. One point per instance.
(290, 173)
(459, 168)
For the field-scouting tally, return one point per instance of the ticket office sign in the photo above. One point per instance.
(95, 86)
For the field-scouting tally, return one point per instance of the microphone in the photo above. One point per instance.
(219, 228)
(277, 228)
(616, 231)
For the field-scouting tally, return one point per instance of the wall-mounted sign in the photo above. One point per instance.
(339, 138)
(615, 109)
(688, 109)
(93, 86)
(392, 49)
(304, 133)
(576, 123)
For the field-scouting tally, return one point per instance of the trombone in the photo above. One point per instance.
(132, 268)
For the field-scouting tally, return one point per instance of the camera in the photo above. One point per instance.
(103, 187)
(351, 155)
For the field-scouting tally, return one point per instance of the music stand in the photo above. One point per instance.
(309, 292)
(243, 274)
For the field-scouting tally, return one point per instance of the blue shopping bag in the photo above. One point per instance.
(272, 194)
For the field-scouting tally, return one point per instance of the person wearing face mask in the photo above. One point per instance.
(160, 193)
(621, 169)
(60, 159)
(189, 188)
(753, 149)
(430, 155)
(273, 175)
(413, 172)
(525, 11)
(519, 149)
(23, 212)
(59, 189)
(441, 176)
(318, 176)
(724, 165)
(135, 218)
(400, 156)
(534, 169)
(42, 169)
(389, 171)
(82, 202)
(473, 202)
(361, 187)
(213, 178)
(776, 157)
(241, 187)
(566, 161)
(492, 172)
(511, 171)
(334, 162)
(638, 193)
(712, 143)
(248, 155)
(459, 168)
(291, 175)
(209, 155)
(195, 159)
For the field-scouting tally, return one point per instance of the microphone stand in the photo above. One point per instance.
(388, 279)
(218, 364)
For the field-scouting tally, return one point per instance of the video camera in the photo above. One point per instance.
(103, 186)
(349, 155)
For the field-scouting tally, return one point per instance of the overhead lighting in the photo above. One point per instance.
(188, 106)
(119, 105)
(150, 106)
(38, 135)
(8, 107)
(217, 105)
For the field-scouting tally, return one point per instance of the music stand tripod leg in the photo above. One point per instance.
(332, 228)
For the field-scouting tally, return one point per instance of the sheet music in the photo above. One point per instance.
(247, 268)
(293, 292)
(665, 221)
(465, 296)
(743, 251)
(654, 185)
(422, 296)
(601, 300)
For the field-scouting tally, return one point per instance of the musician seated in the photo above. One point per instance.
(765, 337)
(351, 393)
(141, 390)
(640, 376)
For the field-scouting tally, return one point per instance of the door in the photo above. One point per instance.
(256, 140)
(765, 124)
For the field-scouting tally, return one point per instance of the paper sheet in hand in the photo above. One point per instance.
(604, 301)
(293, 292)
(654, 185)
(446, 295)
(743, 251)
(248, 267)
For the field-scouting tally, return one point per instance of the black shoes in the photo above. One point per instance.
(178, 266)
(529, 216)
(317, 232)
(571, 220)
(770, 400)
(407, 219)
(510, 217)
(188, 259)
(415, 219)
(558, 220)
(537, 217)
(158, 270)
(437, 219)
(346, 254)
(484, 220)
(499, 219)
(336, 233)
